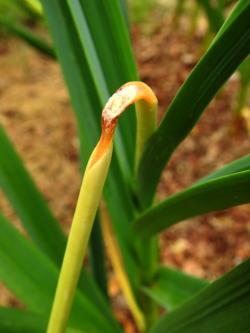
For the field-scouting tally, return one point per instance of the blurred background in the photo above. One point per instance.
(169, 36)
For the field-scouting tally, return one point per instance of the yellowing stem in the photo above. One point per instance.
(89, 198)
(117, 263)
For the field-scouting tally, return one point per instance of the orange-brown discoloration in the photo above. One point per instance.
(129, 93)
(104, 142)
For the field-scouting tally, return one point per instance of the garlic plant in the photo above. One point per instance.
(92, 45)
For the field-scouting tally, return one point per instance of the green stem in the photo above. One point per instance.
(89, 198)
(148, 255)
(90, 195)
(121, 275)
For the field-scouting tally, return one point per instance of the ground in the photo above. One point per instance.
(35, 111)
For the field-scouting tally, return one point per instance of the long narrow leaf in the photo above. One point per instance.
(220, 61)
(171, 287)
(95, 68)
(242, 164)
(215, 194)
(110, 35)
(28, 203)
(242, 5)
(222, 307)
(20, 321)
(37, 219)
(87, 105)
(32, 277)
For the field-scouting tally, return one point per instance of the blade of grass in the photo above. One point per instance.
(222, 307)
(215, 194)
(225, 54)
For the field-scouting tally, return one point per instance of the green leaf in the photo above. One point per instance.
(222, 307)
(35, 215)
(32, 277)
(215, 194)
(28, 203)
(125, 11)
(220, 61)
(28, 36)
(96, 31)
(110, 36)
(242, 5)
(78, 63)
(242, 164)
(172, 287)
(20, 321)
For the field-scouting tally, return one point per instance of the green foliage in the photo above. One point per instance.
(92, 45)
(28, 203)
(171, 288)
(17, 321)
(222, 307)
(242, 164)
(225, 54)
(35, 287)
(216, 194)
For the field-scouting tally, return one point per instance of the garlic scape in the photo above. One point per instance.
(91, 191)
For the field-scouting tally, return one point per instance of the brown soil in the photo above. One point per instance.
(35, 111)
